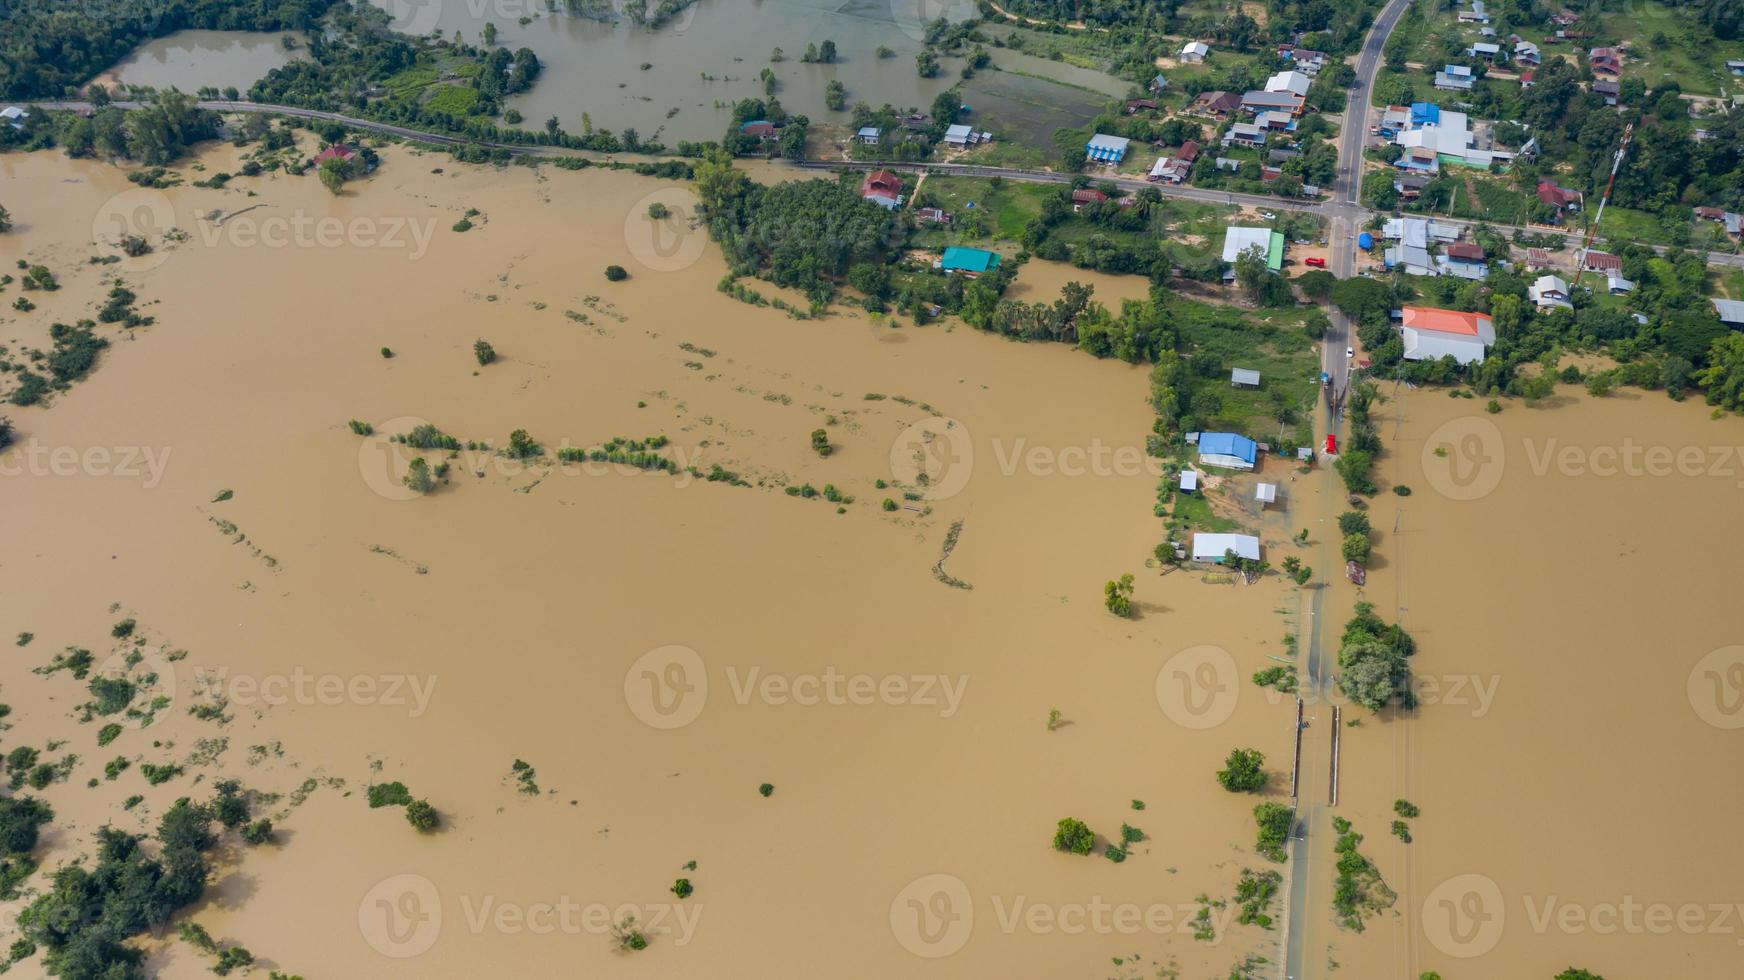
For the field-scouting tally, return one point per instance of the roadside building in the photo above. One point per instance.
(1410, 186)
(867, 136)
(968, 262)
(1731, 312)
(963, 136)
(1537, 258)
(1103, 148)
(1463, 259)
(1550, 292)
(1269, 243)
(1087, 195)
(1431, 334)
(1227, 450)
(1734, 223)
(1596, 261)
(882, 188)
(1560, 198)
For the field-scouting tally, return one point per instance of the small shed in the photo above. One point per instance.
(1266, 493)
(1189, 481)
(1244, 378)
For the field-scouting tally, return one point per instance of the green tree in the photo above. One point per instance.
(1575, 973)
(1353, 522)
(1243, 772)
(1356, 548)
(1075, 836)
(1117, 595)
(1724, 375)
(334, 173)
(5, 220)
(484, 352)
(926, 64)
(422, 816)
(418, 477)
(1273, 821)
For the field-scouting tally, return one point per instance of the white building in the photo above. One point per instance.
(1194, 52)
(959, 136)
(1549, 292)
(1212, 547)
(1238, 240)
(1289, 81)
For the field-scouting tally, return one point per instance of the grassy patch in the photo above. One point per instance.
(456, 100)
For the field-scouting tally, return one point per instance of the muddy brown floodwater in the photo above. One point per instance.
(901, 721)
(657, 646)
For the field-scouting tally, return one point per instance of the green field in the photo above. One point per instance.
(1012, 205)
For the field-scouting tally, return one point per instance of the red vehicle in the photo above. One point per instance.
(1331, 444)
(1316, 262)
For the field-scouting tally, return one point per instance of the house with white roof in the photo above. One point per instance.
(1290, 81)
(1484, 49)
(1550, 292)
(14, 116)
(867, 136)
(960, 136)
(1195, 52)
(1215, 547)
(1454, 78)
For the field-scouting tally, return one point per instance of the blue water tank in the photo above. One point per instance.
(1365, 240)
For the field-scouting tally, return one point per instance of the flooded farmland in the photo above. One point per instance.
(189, 60)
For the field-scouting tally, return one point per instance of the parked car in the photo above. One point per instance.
(1331, 444)
(1316, 261)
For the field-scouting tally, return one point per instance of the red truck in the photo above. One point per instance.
(1331, 444)
(1316, 262)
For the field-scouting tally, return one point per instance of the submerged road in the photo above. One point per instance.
(1346, 188)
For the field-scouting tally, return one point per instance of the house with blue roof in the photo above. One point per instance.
(1103, 148)
(1228, 450)
(970, 262)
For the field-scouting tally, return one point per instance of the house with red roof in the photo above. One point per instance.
(335, 151)
(1431, 334)
(882, 188)
(1560, 198)
(1597, 261)
(1606, 61)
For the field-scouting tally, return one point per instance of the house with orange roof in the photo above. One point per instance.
(1431, 334)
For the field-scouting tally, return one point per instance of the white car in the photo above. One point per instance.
(1350, 352)
(1269, 216)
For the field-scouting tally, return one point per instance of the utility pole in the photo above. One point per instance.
(1593, 229)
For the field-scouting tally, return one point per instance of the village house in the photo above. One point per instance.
(1606, 61)
(1431, 334)
(970, 263)
(1594, 260)
(1560, 198)
(1103, 148)
(1735, 66)
(1486, 50)
(867, 136)
(1463, 259)
(1476, 15)
(763, 129)
(1609, 89)
(932, 216)
(1526, 53)
(1410, 186)
(1290, 81)
(1528, 79)
(1244, 134)
(1454, 78)
(1537, 258)
(1550, 292)
(1136, 105)
(14, 116)
(1268, 243)
(1227, 450)
(1216, 105)
(1257, 102)
(1159, 84)
(882, 188)
(1195, 52)
(1731, 312)
(1087, 195)
(1175, 169)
